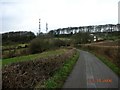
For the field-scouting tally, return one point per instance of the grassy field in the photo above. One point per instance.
(7, 47)
(15, 50)
(107, 43)
(32, 56)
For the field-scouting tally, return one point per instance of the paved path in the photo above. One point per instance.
(90, 72)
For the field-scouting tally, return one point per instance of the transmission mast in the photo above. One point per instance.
(39, 26)
(46, 27)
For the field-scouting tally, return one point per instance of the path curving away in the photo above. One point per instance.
(90, 72)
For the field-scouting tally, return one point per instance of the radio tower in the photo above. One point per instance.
(39, 26)
(46, 27)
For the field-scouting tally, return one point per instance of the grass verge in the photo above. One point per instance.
(32, 56)
(106, 61)
(58, 79)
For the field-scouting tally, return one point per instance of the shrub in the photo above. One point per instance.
(39, 45)
(59, 43)
(24, 52)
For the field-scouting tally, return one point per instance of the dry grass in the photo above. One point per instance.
(29, 73)
(110, 52)
(107, 43)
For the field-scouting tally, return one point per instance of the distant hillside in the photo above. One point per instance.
(17, 37)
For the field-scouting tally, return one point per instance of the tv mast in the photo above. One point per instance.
(46, 27)
(39, 26)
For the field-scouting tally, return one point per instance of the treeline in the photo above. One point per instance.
(107, 28)
(17, 37)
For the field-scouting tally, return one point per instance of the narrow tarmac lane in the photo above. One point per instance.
(90, 72)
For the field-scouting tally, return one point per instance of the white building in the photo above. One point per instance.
(119, 12)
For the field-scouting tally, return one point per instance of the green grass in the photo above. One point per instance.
(32, 56)
(0, 63)
(58, 79)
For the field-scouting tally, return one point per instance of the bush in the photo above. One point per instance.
(39, 45)
(24, 52)
(59, 43)
(82, 38)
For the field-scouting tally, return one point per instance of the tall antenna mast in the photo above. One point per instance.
(39, 26)
(46, 27)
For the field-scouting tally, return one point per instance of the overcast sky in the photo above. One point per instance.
(23, 15)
